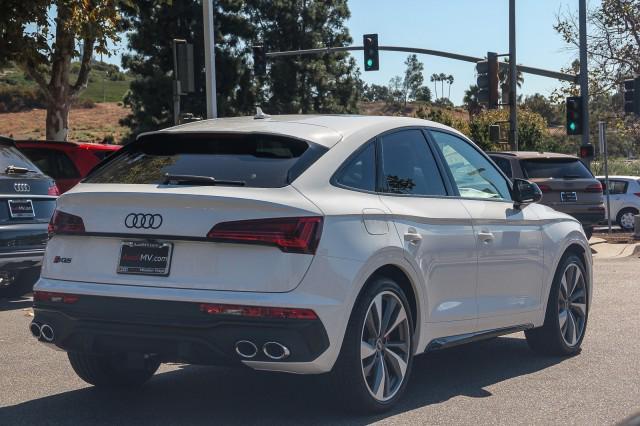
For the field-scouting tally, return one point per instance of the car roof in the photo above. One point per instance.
(620, 177)
(326, 130)
(530, 155)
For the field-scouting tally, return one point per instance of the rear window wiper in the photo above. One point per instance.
(18, 170)
(571, 177)
(198, 180)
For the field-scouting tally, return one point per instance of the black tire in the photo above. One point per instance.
(621, 213)
(588, 231)
(548, 340)
(110, 371)
(347, 377)
(22, 284)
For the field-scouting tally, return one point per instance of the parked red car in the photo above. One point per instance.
(66, 162)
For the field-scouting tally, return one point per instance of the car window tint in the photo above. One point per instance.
(558, 168)
(473, 174)
(617, 187)
(408, 165)
(10, 156)
(504, 164)
(360, 171)
(255, 160)
(53, 163)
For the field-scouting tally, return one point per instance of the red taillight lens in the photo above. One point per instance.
(47, 296)
(53, 190)
(637, 194)
(544, 188)
(596, 187)
(291, 234)
(258, 311)
(65, 223)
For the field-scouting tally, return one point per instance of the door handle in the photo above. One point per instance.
(412, 236)
(486, 236)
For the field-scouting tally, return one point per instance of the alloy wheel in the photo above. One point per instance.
(572, 304)
(627, 220)
(385, 346)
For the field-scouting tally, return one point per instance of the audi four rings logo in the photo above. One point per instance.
(143, 221)
(21, 187)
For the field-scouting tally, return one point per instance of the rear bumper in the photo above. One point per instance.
(22, 246)
(589, 218)
(14, 261)
(174, 331)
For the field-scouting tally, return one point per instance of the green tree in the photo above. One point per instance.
(540, 104)
(450, 81)
(325, 83)
(151, 61)
(44, 48)
(434, 79)
(533, 134)
(423, 94)
(413, 78)
(375, 92)
(470, 100)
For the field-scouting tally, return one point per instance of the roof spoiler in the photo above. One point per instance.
(4, 140)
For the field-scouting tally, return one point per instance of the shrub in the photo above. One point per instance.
(19, 98)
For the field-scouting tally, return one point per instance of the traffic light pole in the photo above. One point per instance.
(584, 76)
(513, 78)
(210, 59)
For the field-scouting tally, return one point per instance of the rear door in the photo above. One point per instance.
(203, 211)
(508, 240)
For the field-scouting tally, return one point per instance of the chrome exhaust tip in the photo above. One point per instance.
(34, 327)
(246, 349)
(47, 333)
(276, 351)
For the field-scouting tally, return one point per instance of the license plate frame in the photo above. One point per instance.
(569, 197)
(149, 259)
(26, 211)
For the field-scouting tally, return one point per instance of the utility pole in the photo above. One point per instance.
(513, 78)
(584, 76)
(209, 58)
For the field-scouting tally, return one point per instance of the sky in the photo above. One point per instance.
(470, 27)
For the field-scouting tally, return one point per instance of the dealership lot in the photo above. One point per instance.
(498, 382)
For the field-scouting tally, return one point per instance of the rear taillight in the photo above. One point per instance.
(53, 190)
(544, 188)
(596, 187)
(258, 311)
(290, 234)
(637, 194)
(65, 223)
(47, 296)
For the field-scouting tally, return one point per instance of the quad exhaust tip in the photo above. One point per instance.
(46, 332)
(246, 349)
(35, 329)
(276, 351)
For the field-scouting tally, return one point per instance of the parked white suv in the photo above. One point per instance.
(305, 244)
(624, 193)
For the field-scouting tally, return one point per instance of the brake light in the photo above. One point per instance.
(544, 188)
(47, 296)
(65, 223)
(53, 190)
(596, 187)
(290, 234)
(258, 311)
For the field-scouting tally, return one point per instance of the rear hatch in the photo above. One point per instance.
(196, 211)
(566, 183)
(27, 200)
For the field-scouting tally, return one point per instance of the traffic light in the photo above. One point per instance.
(574, 115)
(259, 60)
(632, 96)
(488, 81)
(370, 43)
(586, 152)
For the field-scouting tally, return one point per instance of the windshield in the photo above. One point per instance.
(254, 160)
(556, 168)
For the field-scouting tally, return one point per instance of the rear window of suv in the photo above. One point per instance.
(10, 156)
(253, 160)
(557, 168)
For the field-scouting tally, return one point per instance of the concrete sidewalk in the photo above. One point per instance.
(601, 249)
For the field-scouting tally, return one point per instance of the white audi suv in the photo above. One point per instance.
(305, 244)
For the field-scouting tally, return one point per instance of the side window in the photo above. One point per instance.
(53, 163)
(504, 164)
(473, 174)
(618, 187)
(360, 171)
(408, 166)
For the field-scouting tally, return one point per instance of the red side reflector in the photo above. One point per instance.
(289, 234)
(65, 223)
(596, 187)
(544, 188)
(258, 311)
(53, 190)
(47, 296)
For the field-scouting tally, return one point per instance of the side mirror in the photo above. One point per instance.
(525, 192)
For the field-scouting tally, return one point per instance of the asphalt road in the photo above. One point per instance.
(494, 382)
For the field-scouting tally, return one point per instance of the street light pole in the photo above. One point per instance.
(513, 78)
(209, 58)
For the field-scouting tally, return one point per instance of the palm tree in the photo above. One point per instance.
(505, 81)
(470, 100)
(450, 80)
(442, 77)
(434, 78)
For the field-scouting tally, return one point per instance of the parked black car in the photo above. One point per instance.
(27, 201)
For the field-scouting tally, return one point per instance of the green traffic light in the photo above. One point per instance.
(572, 126)
(369, 62)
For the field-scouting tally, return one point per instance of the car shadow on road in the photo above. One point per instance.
(211, 395)
(13, 303)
